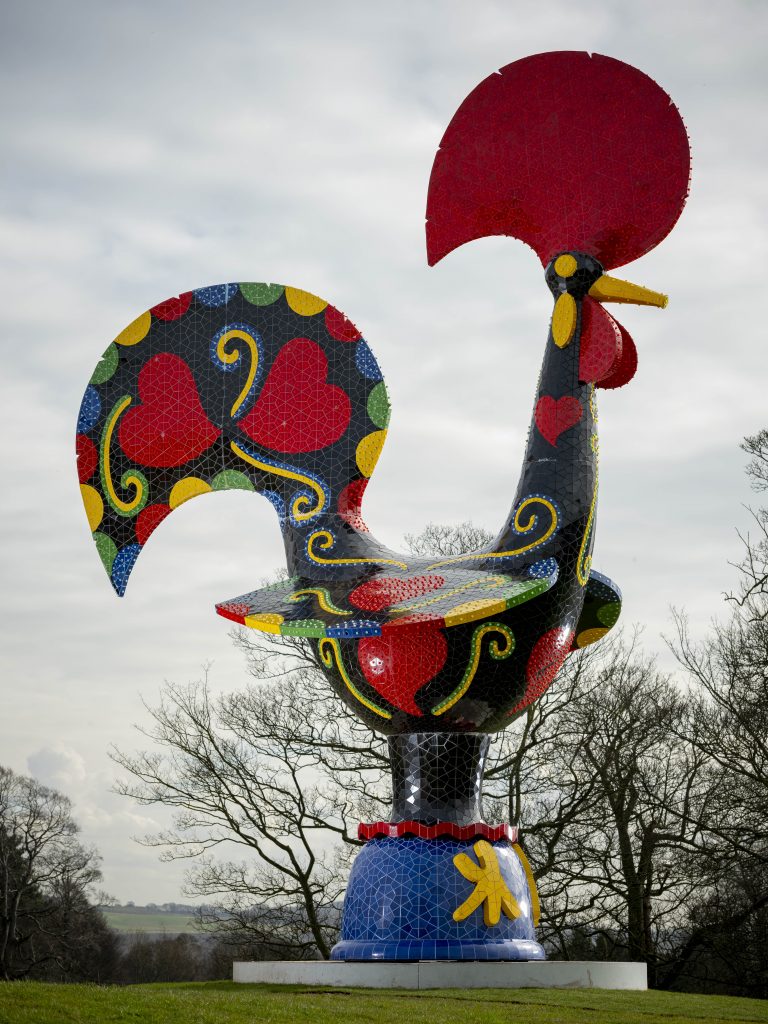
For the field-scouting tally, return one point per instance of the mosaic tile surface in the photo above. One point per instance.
(271, 389)
(416, 899)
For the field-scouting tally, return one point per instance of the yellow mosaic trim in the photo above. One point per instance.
(325, 541)
(535, 902)
(136, 331)
(304, 303)
(584, 561)
(471, 610)
(94, 505)
(590, 636)
(267, 622)
(484, 556)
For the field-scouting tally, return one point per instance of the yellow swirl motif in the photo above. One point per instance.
(299, 508)
(128, 480)
(497, 653)
(330, 651)
(323, 599)
(325, 540)
(520, 528)
(228, 358)
(584, 561)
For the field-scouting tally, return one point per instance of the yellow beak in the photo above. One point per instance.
(613, 289)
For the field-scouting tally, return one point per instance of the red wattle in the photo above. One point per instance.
(600, 343)
(626, 367)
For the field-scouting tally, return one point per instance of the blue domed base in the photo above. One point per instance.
(403, 894)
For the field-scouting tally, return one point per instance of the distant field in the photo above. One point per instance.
(225, 1003)
(149, 921)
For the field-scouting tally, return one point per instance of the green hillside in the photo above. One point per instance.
(140, 920)
(225, 1003)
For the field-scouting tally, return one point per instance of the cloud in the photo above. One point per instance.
(151, 148)
(59, 767)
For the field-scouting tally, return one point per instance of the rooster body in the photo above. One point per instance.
(272, 389)
(212, 391)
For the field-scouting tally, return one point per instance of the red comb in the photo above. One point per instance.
(565, 151)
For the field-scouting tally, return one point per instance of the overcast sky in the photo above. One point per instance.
(150, 148)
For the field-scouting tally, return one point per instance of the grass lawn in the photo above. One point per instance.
(227, 1003)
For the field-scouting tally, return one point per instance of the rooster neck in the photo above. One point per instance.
(554, 508)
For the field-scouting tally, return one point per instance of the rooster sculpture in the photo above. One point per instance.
(269, 388)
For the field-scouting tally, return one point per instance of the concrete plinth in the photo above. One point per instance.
(445, 974)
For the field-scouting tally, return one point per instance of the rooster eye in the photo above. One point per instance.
(566, 265)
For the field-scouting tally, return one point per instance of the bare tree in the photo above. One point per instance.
(753, 589)
(611, 802)
(727, 724)
(47, 925)
(445, 540)
(150, 959)
(280, 770)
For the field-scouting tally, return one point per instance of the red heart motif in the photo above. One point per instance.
(545, 661)
(170, 427)
(297, 411)
(556, 415)
(383, 591)
(398, 664)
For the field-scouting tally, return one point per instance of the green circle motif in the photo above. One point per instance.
(106, 366)
(378, 406)
(231, 480)
(608, 614)
(107, 550)
(260, 294)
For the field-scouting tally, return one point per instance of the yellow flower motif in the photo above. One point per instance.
(491, 891)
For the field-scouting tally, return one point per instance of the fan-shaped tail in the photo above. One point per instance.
(256, 387)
